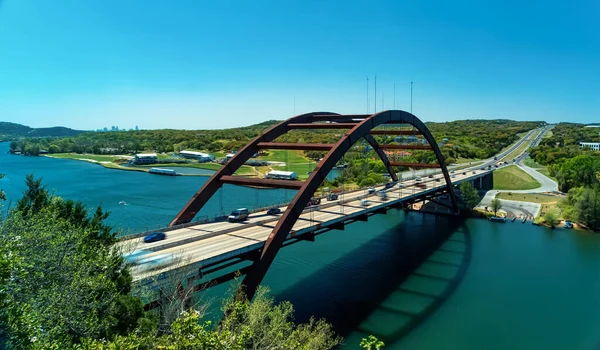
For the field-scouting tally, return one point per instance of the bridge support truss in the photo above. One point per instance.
(357, 126)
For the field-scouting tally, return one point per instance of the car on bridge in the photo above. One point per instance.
(238, 215)
(273, 211)
(390, 184)
(155, 237)
(371, 190)
(365, 202)
(430, 176)
(332, 197)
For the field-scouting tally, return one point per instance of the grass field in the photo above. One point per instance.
(539, 168)
(532, 164)
(513, 178)
(94, 157)
(466, 160)
(549, 133)
(280, 156)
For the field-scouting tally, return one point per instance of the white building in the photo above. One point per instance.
(281, 175)
(145, 158)
(200, 156)
(595, 146)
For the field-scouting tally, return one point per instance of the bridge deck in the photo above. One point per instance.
(204, 244)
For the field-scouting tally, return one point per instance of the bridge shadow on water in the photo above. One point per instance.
(390, 284)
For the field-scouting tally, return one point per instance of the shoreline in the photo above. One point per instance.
(113, 166)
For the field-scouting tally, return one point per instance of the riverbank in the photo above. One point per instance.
(112, 162)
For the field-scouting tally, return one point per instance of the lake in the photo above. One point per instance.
(516, 285)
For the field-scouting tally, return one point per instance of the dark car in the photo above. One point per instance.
(155, 237)
(465, 173)
(332, 197)
(273, 211)
(390, 184)
(430, 176)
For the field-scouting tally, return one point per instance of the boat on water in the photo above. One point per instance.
(524, 219)
(513, 219)
(162, 171)
(568, 224)
(123, 203)
(497, 219)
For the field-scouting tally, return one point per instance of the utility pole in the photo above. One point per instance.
(411, 94)
(375, 99)
(367, 95)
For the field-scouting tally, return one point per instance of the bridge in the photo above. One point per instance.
(249, 247)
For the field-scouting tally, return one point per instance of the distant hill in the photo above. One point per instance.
(13, 130)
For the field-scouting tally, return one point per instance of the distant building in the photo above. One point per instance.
(136, 128)
(595, 146)
(201, 157)
(412, 139)
(145, 158)
(281, 175)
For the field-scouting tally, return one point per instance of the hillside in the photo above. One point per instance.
(10, 131)
(473, 139)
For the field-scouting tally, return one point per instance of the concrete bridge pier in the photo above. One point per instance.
(485, 182)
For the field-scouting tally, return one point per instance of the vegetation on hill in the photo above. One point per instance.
(466, 139)
(576, 169)
(479, 138)
(64, 285)
(13, 131)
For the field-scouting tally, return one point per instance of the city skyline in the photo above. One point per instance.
(81, 64)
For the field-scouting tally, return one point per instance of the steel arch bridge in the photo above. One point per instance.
(357, 126)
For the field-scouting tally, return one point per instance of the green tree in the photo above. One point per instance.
(256, 324)
(551, 216)
(371, 343)
(63, 287)
(67, 282)
(470, 195)
(496, 205)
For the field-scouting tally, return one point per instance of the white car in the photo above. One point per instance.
(365, 202)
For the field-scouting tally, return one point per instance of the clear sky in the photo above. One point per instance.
(213, 64)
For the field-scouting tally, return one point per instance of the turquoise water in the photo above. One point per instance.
(523, 286)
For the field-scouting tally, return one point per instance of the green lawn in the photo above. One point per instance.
(532, 164)
(278, 155)
(529, 197)
(545, 171)
(95, 157)
(513, 178)
(466, 160)
(539, 168)
(549, 133)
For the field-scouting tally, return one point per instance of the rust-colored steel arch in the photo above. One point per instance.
(200, 198)
(294, 209)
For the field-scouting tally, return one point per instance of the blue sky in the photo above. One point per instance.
(213, 64)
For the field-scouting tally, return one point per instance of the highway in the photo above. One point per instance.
(199, 245)
(204, 244)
